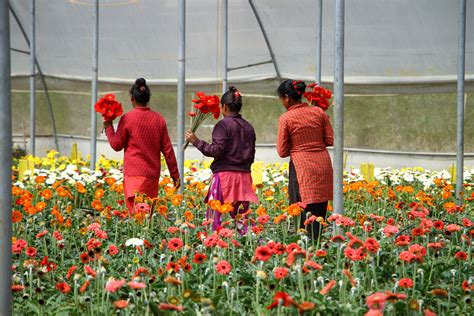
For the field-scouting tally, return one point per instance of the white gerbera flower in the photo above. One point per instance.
(134, 242)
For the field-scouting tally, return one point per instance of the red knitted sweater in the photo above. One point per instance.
(143, 134)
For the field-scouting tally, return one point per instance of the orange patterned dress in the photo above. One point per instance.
(304, 132)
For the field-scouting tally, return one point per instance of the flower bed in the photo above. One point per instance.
(402, 247)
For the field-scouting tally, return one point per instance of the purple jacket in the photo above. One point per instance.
(233, 145)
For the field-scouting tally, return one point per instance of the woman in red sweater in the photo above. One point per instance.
(143, 135)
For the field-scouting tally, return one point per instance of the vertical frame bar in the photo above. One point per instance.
(33, 78)
(460, 102)
(338, 159)
(226, 45)
(95, 77)
(5, 163)
(319, 39)
(181, 87)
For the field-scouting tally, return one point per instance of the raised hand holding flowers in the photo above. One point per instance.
(109, 107)
(319, 96)
(206, 105)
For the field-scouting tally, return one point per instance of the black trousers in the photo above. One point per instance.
(316, 209)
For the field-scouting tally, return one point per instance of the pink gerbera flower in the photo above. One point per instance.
(113, 285)
(223, 267)
(174, 244)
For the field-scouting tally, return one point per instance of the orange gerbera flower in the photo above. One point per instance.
(268, 193)
(163, 210)
(97, 205)
(40, 206)
(80, 188)
(110, 180)
(99, 193)
(119, 188)
(165, 181)
(294, 209)
(62, 191)
(46, 194)
(172, 280)
(279, 218)
(177, 199)
(214, 204)
(16, 191)
(225, 208)
(261, 211)
(189, 216)
(40, 179)
(16, 216)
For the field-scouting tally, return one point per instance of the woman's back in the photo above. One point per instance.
(143, 135)
(307, 127)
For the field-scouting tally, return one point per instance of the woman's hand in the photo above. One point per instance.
(108, 123)
(177, 183)
(191, 137)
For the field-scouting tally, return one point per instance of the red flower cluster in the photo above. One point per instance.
(207, 104)
(109, 107)
(318, 96)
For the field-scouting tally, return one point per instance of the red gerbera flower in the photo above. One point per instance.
(281, 299)
(63, 287)
(174, 244)
(90, 271)
(405, 283)
(84, 257)
(461, 255)
(280, 273)
(199, 258)
(262, 253)
(325, 290)
(30, 251)
(403, 240)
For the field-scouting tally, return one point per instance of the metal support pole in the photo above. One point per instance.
(181, 87)
(460, 102)
(32, 78)
(226, 45)
(40, 72)
(95, 73)
(319, 39)
(265, 37)
(339, 109)
(5, 163)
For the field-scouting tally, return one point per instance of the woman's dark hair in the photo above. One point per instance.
(140, 91)
(232, 99)
(293, 88)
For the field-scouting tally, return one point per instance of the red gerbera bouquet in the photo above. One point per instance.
(206, 106)
(109, 107)
(318, 96)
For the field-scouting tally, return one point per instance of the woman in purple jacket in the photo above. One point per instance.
(233, 150)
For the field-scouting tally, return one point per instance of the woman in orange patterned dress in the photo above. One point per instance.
(304, 132)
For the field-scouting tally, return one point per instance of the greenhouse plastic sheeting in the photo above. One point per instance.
(386, 41)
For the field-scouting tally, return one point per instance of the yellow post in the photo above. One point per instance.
(31, 163)
(79, 156)
(452, 171)
(74, 152)
(257, 172)
(346, 154)
(367, 171)
(22, 167)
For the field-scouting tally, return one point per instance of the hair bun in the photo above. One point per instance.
(301, 86)
(140, 82)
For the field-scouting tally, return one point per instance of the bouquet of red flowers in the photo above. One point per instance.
(318, 96)
(109, 107)
(206, 106)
